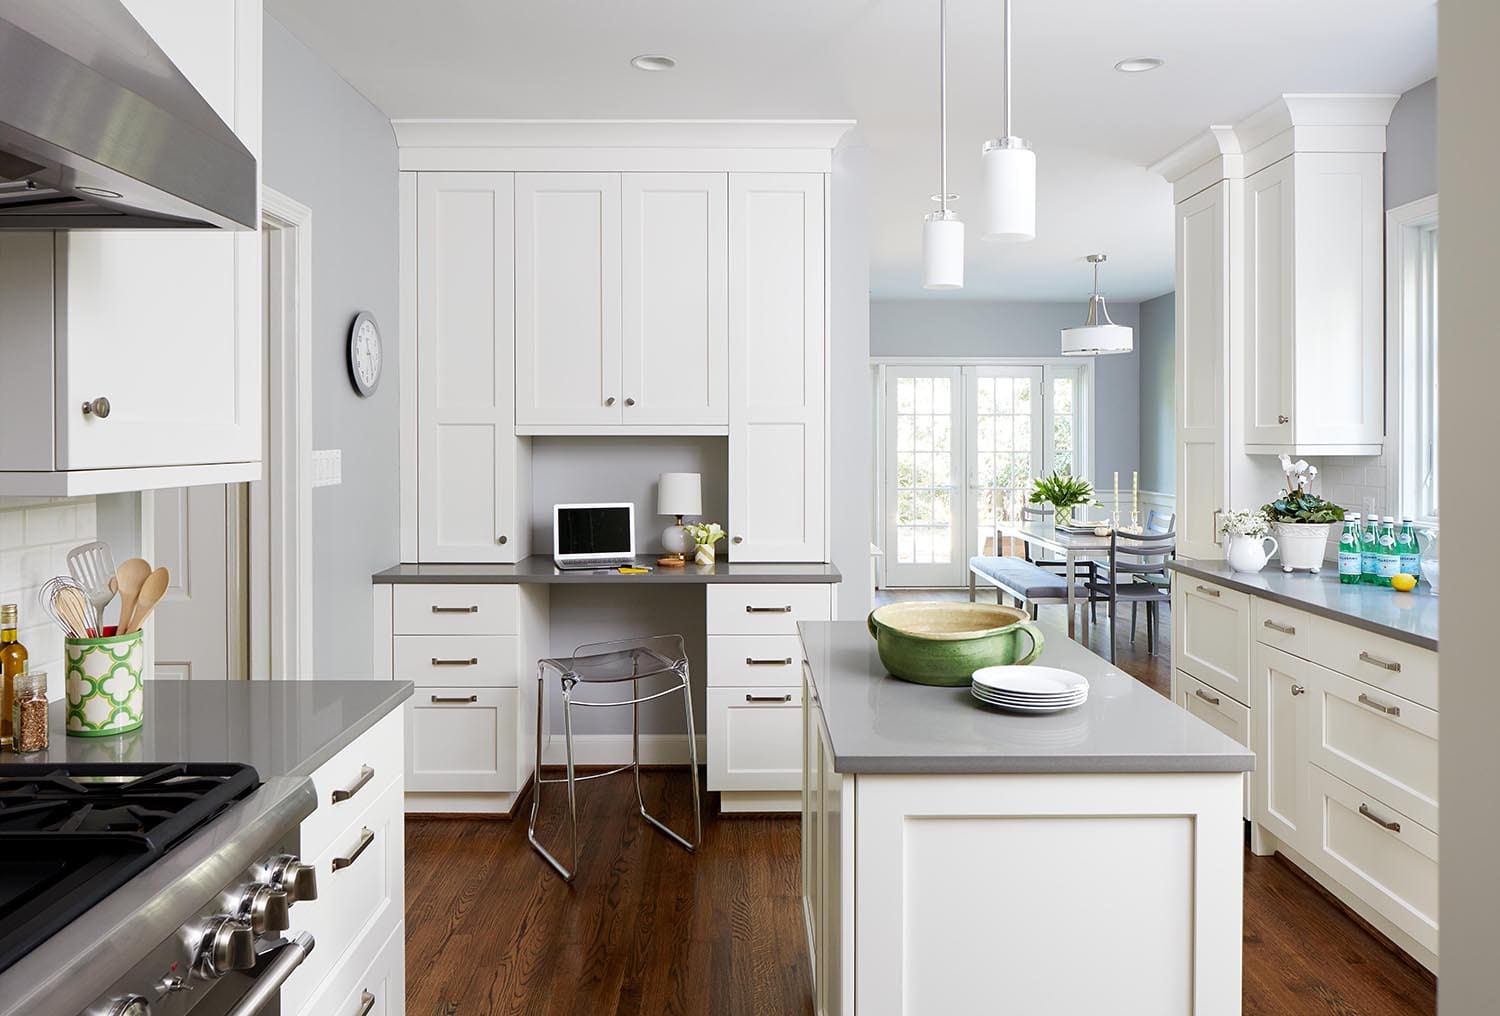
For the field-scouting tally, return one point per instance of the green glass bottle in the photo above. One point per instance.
(1351, 554)
(1410, 549)
(1369, 543)
(1387, 558)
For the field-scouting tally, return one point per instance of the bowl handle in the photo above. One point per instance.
(874, 628)
(1036, 642)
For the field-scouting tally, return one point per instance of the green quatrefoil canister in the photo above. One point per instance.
(104, 685)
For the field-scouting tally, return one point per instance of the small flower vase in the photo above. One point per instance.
(1248, 553)
(1063, 515)
(704, 554)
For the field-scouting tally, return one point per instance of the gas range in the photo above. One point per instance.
(149, 889)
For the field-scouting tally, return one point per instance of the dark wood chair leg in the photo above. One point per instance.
(1150, 628)
(1133, 611)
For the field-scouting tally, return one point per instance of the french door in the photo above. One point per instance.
(961, 447)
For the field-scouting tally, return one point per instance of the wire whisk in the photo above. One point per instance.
(64, 600)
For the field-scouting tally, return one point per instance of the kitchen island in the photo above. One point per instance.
(1083, 862)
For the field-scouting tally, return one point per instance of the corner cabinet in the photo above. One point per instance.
(164, 324)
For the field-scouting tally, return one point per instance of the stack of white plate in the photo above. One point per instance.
(1030, 689)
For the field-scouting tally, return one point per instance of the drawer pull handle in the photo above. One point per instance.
(751, 661)
(472, 661)
(1366, 700)
(1391, 665)
(366, 774)
(769, 698)
(1297, 689)
(1207, 591)
(365, 839)
(1285, 629)
(768, 610)
(472, 608)
(439, 700)
(1364, 809)
(366, 1002)
(1212, 700)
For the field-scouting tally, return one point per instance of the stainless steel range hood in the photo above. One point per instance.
(98, 128)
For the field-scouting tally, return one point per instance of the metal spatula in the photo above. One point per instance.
(93, 566)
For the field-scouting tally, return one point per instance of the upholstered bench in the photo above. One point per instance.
(1026, 583)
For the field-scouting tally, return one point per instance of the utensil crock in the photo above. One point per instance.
(104, 691)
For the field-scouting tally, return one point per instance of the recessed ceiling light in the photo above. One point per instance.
(1139, 64)
(652, 62)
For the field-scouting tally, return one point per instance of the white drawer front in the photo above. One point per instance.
(457, 661)
(1387, 858)
(367, 986)
(766, 609)
(1286, 628)
(456, 610)
(737, 660)
(365, 895)
(1215, 640)
(1377, 743)
(1217, 710)
(755, 738)
(353, 778)
(462, 740)
(1395, 667)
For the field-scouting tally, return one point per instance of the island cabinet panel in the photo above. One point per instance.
(1213, 636)
(1139, 874)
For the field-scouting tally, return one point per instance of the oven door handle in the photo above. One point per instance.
(268, 984)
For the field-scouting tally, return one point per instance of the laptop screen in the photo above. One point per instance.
(594, 530)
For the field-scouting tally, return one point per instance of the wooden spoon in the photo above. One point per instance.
(130, 577)
(152, 591)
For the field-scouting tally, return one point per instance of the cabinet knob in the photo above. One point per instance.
(98, 407)
(1283, 419)
(630, 402)
(502, 540)
(739, 539)
(1297, 689)
(609, 401)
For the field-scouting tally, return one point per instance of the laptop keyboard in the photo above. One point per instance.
(585, 563)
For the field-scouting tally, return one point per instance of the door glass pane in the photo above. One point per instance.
(1064, 418)
(1001, 457)
(924, 470)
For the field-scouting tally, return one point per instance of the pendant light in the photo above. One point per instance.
(942, 232)
(1098, 334)
(1009, 167)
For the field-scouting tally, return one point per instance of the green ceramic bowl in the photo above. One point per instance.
(943, 643)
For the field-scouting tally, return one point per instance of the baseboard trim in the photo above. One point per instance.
(614, 750)
(760, 802)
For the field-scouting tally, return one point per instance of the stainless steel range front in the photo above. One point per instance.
(138, 889)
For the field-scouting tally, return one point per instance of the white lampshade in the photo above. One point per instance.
(1009, 168)
(942, 251)
(679, 494)
(1096, 340)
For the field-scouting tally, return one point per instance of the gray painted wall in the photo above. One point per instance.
(939, 327)
(329, 148)
(852, 437)
(1411, 146)
(1157, 342)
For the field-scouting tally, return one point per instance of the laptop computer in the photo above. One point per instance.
(593, 535)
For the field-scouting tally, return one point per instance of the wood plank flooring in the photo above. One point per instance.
(648, 928)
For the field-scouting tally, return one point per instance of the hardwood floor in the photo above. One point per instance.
(648, 928)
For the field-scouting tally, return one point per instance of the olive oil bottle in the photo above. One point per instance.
(12, 662)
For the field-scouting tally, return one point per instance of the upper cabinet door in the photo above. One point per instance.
(777, 373)
(1270, 351)
(676, 276)
(467, 456)
(567, 277)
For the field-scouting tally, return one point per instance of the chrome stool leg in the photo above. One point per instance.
(536, 792)
(692, 844)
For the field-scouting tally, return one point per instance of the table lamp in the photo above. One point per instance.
(677, 494)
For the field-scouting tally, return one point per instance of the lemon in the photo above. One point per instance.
(1405, 583)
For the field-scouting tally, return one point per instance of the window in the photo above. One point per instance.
(1412, 257)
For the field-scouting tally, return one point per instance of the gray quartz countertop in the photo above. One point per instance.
(282, 728)
(1408, 617)
(539, 570)
(879, 724)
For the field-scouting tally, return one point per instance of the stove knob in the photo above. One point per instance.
(264, 908)
(227, 944)
(134, 1005)
(300, 881)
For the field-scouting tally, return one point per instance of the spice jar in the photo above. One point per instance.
(29, 712)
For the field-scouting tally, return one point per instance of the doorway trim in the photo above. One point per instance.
(281, 612)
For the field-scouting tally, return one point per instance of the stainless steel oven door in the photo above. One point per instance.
(257, 992)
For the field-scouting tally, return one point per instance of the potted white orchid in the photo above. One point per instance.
(1301, 519)
(1245, 540)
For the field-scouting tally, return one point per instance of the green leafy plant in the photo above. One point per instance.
(1062, 490)
(1302, 506)
(705, 534)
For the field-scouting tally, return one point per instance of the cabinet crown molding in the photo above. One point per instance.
(1217, 149)
(479, 132)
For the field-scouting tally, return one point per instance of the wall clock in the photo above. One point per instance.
(365, 358)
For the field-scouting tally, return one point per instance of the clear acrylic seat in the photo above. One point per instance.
(660, 663)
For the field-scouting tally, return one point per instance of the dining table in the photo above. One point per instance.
(1071, 547)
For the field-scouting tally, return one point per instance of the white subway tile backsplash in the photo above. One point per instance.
(51, 524)
(35, 537)
(12, 530)
(1375, 476)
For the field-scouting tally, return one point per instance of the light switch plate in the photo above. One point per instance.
(327, 467)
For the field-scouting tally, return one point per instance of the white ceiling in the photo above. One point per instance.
(1094, 129)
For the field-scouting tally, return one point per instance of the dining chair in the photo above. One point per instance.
(1157, 521)
(1132, 555)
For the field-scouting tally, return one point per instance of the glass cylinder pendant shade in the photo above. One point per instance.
(942, 251)
(1009, 168)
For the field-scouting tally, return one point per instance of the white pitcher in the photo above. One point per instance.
(1249, 553)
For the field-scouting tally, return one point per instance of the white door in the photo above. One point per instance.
(777, 430)
(675, 332)
(1004, 426)
(199, 626)
(924, 431)
(469, 501)
(567, 278)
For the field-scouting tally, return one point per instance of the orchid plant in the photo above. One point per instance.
(1297, 503)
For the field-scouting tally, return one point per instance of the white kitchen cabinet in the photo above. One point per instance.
(1217, 710)
(1281, 715)
(164, 324)
(754, 738)
(462, 739)
(777, 369)
(473, 472)
(568, 289)
(674, 362)
(1314, 305)
(827, 867)
(1211, 630)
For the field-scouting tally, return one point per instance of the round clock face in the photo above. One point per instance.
(364, 353)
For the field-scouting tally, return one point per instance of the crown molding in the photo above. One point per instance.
(456, 132)
(1209, 157)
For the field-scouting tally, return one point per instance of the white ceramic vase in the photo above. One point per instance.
(703, 554)
(1249, 553)
(1303, 545)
